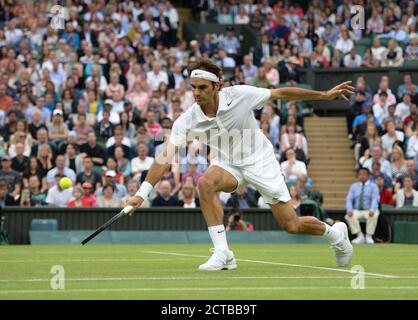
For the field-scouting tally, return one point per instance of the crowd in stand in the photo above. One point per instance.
(95, 100)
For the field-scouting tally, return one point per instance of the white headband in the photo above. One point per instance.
(203, 74)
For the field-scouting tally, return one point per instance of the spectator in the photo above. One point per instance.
(411, 172)
(403, 108)
(411, 50)
(57, 129)
(386, 194)
(56, 195)
(296, 199)
(164, 197)
(224, 61)
(236, 222)
(407, 196)
(88, 197)
(20, 161)
(230, 43)
(110, 179)
(34, 168)
(133, 187)
(377, 156)
(261, 80)
(362, 202)
(242, 199)
(344, 43)
(397, 161)
(11, 176)
(92, 150)
(156, 76)
(142, 162)
(392, 135)
(79, 201)
(375, 23)
(224, 16)
(59, 168)
(271, 73)
(408, 87)
(393, 55)
(6, 200)
(109, 199)
(352, 60)
(412, 148)
(89, 175)
(193, 172)
(188, 196)
(82, 129)
(72, 159)
(377, 49)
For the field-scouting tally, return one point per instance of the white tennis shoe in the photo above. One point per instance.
(343, 250)
(220, 260)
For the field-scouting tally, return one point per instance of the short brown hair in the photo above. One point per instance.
(205, 64)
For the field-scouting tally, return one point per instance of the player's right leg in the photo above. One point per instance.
(214, 180)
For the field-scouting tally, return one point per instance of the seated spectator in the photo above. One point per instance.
(192, 171)
(45, 157)
(393, 55)
(380, 109)
(119, 141)
(104, 127)
(37, 196)
(407, 196)
(6, 200)
(12, 177)
(369, 61)
(271, 72)
(123, 163)
(59, 168)
(344, 43)
(411, 50)
(412, 148)
(260, 80)
(377, 156)
(92, 150)
(397, 161)
(164, 197)
(249, 70)
(375, 23)
(292, 168)
(57, 129)
(408, 87)
(411, 172)
(79, 200)
(242, 199)
(392, 135)
(362, 202)
(89, 175)
(108, 199)
(410, 121)
(142, 162)
(303, 188)
(111, 177)
(34, 168)
(352, 59)
(296, 199)
(236, 222)
(360, 122)
(403, 108)
(394, 118)
(82, 129)
(56, 195)
(289, 71)
(386, 194)
(377, 49)
(20, 161)
(223, 60)
(376, 170)
(72, 159)
(133, 187)
(188, 196)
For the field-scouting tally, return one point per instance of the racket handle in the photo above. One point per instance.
(128, 209)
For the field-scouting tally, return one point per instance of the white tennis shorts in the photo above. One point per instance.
(266, 177)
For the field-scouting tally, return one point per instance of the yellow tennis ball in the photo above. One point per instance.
(65, 183)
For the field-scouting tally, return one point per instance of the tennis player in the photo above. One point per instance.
(243, 155)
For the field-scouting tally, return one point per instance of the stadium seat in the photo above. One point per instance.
(360, 50)
(410, 63)
(44, 225)
(365, 41)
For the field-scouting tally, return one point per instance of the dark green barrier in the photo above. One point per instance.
(18, 219)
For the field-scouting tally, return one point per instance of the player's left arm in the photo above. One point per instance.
(291, 93)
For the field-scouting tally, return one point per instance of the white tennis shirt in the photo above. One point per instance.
(233, 135)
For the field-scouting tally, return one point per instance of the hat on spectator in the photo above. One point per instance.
(111, 173)
(5, 158)
(87, 185)
(109, 101)
(57, 111)
(230, 28)
(380, 174)
(193, 43)
(121, 35)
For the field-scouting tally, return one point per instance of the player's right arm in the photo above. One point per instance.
(159, 166)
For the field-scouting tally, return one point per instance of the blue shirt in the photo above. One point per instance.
(362, 117)
(371, 197)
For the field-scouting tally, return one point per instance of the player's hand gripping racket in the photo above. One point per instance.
(122, 213)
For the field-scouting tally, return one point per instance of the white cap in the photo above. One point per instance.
(57, 111)
(110, 173)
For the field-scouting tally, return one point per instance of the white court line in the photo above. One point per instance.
(83, 260)
(281, 264)
(181, 278)
(223, 289)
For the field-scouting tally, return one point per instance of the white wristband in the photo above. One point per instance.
(144, 190)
